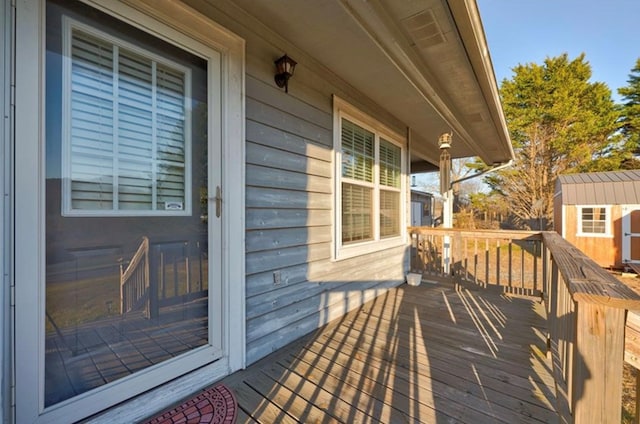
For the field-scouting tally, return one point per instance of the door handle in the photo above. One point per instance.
(218, 200)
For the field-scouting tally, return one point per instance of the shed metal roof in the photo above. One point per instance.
(600, 188)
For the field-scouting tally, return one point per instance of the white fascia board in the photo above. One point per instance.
(469, 24)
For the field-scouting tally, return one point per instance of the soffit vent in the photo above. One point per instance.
(475, 118)
(424, 29)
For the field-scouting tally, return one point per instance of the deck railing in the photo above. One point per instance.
(508, 259)
(586, 306)
(134, 281)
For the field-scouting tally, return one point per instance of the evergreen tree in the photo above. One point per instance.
(559, 123)
(631, 108)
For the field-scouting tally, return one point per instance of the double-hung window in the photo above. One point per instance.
(593, 221)
(369, 183)
(126, 138)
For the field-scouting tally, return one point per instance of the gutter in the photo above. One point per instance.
(486, 171)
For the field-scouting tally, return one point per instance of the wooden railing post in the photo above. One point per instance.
(587, 316)
(598, 360)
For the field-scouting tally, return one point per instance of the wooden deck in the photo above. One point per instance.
(428, 354)
(87, 356)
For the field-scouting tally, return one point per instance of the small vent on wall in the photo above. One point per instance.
(424, 29)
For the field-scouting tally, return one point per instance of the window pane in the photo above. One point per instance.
(356, 213)
(148, 149)
(389, 213)
(594, 220)
(357, 152)
(123, 293)
(91, 123)
(390, 165)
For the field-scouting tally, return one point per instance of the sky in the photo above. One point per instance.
(526, 31)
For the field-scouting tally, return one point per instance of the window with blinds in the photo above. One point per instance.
(371, 170)
(390, 166)
(593, 220)
(127, 142)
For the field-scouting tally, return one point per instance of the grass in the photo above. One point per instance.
(75, 302)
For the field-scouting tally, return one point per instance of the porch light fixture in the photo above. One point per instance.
(444, 142)
(284, 70)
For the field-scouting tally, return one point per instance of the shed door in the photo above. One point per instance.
(631, 234)
(416, 214)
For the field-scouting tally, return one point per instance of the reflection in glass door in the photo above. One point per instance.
(127, 175)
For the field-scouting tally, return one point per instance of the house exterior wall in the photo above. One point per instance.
(605, 251)
(293, 285)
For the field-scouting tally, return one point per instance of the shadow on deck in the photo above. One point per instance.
(431, 354)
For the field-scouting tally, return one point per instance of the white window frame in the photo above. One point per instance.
(607, 232)
(344, 110)
(68, 25)
(176, 23)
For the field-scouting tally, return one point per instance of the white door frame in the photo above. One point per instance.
(627, 234)
(185, 24)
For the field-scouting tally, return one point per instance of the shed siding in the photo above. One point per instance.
(292, 285)
(605, 251)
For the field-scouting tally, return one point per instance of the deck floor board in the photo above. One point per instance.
(428, 354)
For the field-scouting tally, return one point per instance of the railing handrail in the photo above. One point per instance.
(495, 234)
(140, 254)
(587, 311)
(139, 287)
(587, 281)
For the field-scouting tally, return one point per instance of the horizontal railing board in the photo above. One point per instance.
(587, 282)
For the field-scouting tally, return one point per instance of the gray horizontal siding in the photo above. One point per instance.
(290, 331)
(262, 240)
(289, 195)
(289, 198)
(283, 218)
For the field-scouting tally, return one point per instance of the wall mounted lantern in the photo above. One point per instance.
(284, 70)
(444, 142)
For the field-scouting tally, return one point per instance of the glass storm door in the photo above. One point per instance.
(130, 281)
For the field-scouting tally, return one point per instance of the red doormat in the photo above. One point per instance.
(215, 405)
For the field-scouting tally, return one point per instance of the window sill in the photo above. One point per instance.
(365, 248)
(596, 235)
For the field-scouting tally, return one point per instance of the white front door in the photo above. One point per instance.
(121, 275)
(631, 234)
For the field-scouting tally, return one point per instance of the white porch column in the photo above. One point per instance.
(446, 190)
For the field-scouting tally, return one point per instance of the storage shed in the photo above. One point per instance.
(599, 213)
(423, 209)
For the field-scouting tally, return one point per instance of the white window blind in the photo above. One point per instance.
(357, 152)
(358, 156)
(390, 170)
(370, 185)
(128, 141)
